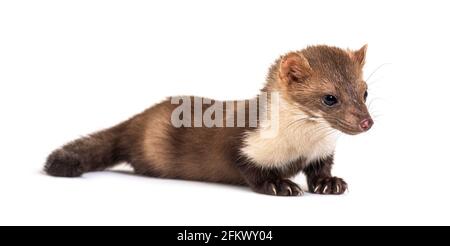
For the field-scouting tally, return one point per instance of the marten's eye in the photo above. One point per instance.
(329, 100)
(365, 95)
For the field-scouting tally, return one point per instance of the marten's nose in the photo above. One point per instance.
(366, 124)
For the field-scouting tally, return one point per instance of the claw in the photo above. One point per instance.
(316, 189)
(274, 190)
(325, 189)
(290, 190)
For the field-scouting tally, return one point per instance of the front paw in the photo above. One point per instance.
(329, 185)
(282, 187)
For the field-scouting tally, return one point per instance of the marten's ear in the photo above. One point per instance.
(359, 56)
(294, 68)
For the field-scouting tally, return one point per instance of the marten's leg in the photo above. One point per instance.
(269, 181)
(321, 181)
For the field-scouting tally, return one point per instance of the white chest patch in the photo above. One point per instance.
(296, 137)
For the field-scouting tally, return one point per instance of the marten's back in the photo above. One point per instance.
(194, 153)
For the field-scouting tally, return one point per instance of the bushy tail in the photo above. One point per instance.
(95, 152)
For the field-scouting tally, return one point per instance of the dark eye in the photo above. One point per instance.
(329, 100)
(365, 95)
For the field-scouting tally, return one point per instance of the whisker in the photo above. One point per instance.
(296, 121)
(376, 70)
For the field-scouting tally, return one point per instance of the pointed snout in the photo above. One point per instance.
(366, 124)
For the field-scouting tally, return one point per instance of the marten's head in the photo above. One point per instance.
(327, 83)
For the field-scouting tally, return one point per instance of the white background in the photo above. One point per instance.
(68, 68)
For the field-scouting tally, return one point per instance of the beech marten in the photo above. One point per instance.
(317, 92)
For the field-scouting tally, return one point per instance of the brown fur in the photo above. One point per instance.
(154, 147)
